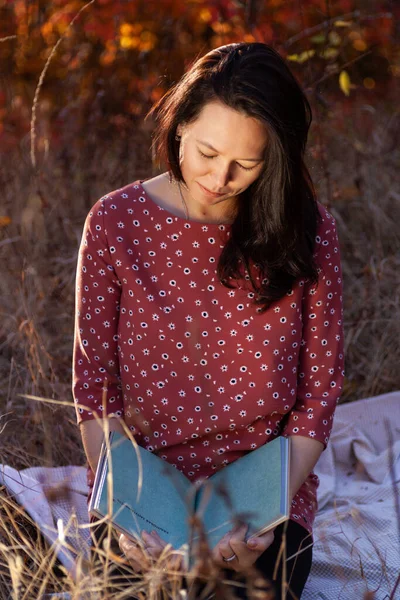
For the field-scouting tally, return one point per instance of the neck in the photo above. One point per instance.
(225, 218)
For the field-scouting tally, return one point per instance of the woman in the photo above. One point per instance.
(210, 297)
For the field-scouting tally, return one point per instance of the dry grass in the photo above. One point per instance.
(38, 252)
(29, 569)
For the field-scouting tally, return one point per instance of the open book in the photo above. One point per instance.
(140, 491)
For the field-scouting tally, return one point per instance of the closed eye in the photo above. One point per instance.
(238, 164)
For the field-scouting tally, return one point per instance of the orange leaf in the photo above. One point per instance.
(4, 221)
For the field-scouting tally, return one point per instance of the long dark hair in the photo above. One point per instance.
(275, 226)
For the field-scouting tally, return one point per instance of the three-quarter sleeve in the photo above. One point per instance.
(97, 302)
(321, 357)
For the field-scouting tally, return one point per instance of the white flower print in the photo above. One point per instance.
(125, 333)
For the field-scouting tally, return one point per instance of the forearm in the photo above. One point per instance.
(92, 434)
(304, 454)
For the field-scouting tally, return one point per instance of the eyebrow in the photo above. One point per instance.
(212, 148)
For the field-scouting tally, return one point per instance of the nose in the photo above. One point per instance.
(222, 177)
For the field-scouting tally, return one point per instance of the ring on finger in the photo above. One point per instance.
(229, 558)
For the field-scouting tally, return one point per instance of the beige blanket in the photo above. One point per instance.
(357, 529)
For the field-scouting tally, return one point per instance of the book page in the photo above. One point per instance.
(254, 488)
(164, 501)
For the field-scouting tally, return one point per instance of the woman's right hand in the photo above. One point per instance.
(137, 555)
(143, 555)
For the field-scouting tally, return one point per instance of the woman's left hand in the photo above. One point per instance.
(243, 553)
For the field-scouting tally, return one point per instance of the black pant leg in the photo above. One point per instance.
(296, 538)
(297, 569)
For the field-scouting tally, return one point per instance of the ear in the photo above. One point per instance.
(179, 130)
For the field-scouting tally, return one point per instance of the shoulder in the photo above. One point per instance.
(121, 198)
(110, 212)
(327, 222)
(116, 204)
(326, 232)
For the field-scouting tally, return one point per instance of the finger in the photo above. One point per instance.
(223, 551)
(237, 539)
(248, 551)
(136, 565)
(153, 539)
(223, 547)
(261, 542)
(156, 536)
(152, 545)
(134, 554)
(125, 543)
(239, 533)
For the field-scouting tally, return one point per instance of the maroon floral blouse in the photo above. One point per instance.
(199, 375)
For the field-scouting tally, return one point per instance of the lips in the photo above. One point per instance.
(214, 194)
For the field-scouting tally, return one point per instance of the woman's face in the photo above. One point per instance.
(223, 152)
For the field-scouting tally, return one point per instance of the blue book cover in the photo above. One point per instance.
(140, 491)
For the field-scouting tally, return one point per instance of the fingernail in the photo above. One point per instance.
(252, 543)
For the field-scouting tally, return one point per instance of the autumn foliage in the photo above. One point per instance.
(114, 58)
(77, 78)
